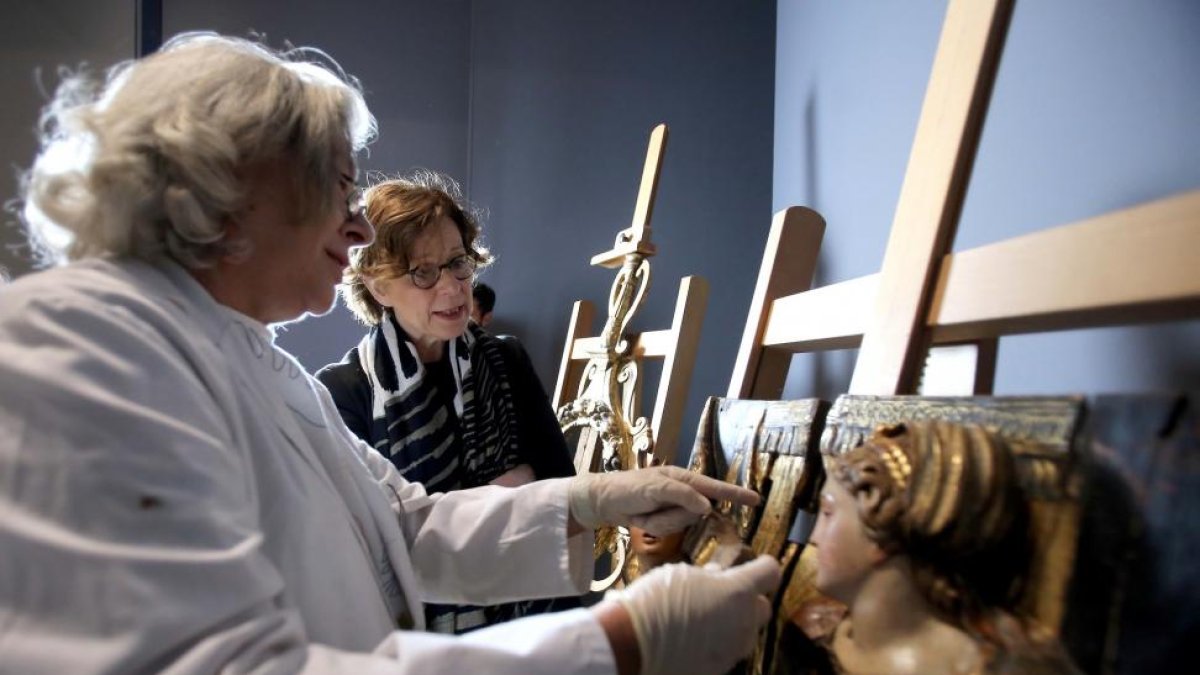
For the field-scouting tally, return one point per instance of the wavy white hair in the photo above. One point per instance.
(146, 163)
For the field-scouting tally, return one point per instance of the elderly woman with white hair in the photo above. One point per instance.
(178, 495)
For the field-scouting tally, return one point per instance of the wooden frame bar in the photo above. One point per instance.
(1130, 266)
(788, 266)
(679, 360)
(583, 315)
(935, 184)
(1137, 265)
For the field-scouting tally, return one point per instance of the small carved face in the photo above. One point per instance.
(653, 550)
(845, 555)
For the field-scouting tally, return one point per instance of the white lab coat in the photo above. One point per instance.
(178, 495)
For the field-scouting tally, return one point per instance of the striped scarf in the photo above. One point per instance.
(423, 441)
(426, 445)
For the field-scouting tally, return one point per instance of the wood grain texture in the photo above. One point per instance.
(935, 183)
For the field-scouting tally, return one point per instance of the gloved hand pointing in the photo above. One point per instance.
(697, 620)
(659, 499)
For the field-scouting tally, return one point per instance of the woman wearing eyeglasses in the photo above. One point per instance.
(450, 406)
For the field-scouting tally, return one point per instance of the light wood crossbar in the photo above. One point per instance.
(1137, 265)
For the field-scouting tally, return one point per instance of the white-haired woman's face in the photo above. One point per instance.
(295, 267)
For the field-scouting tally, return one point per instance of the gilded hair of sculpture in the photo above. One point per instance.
(947, 496)
(402, 210)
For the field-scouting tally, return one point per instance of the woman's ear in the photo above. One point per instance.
(378, 288)
(237, 249)
(877, 555)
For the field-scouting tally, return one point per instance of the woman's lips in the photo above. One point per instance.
(450, 314)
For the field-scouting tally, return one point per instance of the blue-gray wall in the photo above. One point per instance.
(1096, 107)
(564, 96)
(36, 39)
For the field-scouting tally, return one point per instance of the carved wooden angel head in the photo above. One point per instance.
(947, 496)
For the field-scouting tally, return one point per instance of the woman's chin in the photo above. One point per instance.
(324, 308)
(450, 330)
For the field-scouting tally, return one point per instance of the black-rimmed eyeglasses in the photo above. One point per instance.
(426, 276)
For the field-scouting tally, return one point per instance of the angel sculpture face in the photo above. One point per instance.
(945, 496)
(844, 552)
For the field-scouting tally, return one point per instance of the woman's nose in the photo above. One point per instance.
(447, 281)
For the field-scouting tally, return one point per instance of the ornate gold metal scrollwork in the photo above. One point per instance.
(607, 398)
(599, 418)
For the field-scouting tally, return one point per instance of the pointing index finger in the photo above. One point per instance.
(713, 488)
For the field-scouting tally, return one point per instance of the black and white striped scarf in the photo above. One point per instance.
(422, 440)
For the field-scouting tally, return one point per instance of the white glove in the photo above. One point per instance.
(659, 499)
(699, 620)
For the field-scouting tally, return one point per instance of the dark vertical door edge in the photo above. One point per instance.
(149, 27)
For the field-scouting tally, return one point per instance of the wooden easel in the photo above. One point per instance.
(924, 295)
(599, 382)
(602, 372)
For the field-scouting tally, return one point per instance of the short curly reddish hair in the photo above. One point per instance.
(402, 210)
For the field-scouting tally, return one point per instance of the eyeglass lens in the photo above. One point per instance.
(426, 276)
